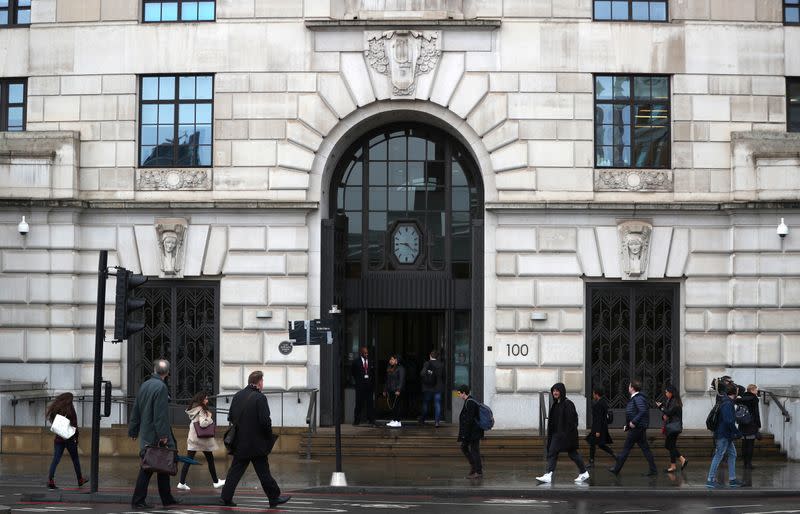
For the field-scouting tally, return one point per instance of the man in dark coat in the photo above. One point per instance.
(725, 436)
(150, 424)
(637, 419)
(598, 433)
(470, 433)
(363, 372)
(254, 439)
(562, 434)
(432, 377)
(750, 430)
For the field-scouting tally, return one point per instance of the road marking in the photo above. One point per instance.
(629, 511)
(733, 506)
(774, 512)
(517, 501)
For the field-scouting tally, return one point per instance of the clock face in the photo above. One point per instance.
(406, 241)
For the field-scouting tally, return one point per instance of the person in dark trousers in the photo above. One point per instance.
(432, 376)
(150, 424)
(725, 435)
(395, 384)
(562, 434)
(750, 431)
(672, 412)
(363, 372)
(63, 405)
(599, 437)
(249, 411)
(637, 415)
(199, 413)
(470, 433)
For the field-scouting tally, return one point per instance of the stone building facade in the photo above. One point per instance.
(580, 271)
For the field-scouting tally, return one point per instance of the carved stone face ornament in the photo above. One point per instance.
(171, 234)
(634, 239)
(403, 55)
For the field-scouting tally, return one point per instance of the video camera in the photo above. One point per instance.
(720, 384)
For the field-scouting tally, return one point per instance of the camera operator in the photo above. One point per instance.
(720, 385)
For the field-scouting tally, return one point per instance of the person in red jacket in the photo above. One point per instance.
(63, 405)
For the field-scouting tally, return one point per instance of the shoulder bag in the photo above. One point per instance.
(205, 432)
(674, 427)
(62, 427)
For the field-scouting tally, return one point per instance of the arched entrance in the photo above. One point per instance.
(402, 255)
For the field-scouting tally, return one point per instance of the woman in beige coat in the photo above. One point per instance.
(198, 412)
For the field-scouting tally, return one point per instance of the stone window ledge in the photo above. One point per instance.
(410, 23)
(637, 180)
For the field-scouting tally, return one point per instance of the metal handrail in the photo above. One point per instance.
(311, 421)
(770, 395)
(543, 413)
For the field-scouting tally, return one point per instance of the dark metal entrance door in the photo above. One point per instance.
(632, 333)
(182, 326)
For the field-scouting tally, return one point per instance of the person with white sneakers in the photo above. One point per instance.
(395, 383)
(562, 435)
(200, 416)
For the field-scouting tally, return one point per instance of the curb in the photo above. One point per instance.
(4, 509)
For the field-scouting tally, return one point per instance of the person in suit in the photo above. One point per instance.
(470, 432)
(432, 376)
(562, 434)
(637, 419)
(363, 372)
(150, 424)
(750, 431)
(249, 411)
(599, 437)
(672, 412)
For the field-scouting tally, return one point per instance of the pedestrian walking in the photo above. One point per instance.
(470, 432)
(200, 416)
(637, 419)
(562, 434)
(149, 423)
(363, 373)
(725, 435)
(432, 376)
(62, 405)
(598, 436)
(750, 428)
(249, 412)
(672, 415)
(395, 384)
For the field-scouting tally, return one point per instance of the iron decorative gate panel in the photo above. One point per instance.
(632, 333)
(181, 325)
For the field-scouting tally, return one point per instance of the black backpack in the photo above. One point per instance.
(743, 415)
(428, 376)
(712, 420)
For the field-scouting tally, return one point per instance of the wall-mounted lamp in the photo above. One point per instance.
(538, 316)
(782, 229)
(263, 314)
(23, 228)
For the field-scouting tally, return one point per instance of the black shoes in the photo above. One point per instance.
(650, 473)
(175, 501)
(280, 500)
(141, 505)
(614, 470)
(226, 503)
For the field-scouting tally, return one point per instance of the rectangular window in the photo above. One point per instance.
(791, 12)
(793, 104)
(13, 95)
(175, 120)
(15, 12)
(177, 10)
(631, 121)
(630, 10)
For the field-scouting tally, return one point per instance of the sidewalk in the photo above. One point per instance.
(406, 476)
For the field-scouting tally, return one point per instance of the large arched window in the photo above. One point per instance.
(409, 193)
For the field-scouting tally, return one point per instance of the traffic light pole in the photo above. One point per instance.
(99, 339)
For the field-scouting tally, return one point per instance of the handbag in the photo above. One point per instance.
(62, 427)
(205, 432)
(160, 459)
(674, 427)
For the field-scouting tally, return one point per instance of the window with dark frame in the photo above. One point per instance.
(793, 104)
(13, 96)
(632, 121)
(791, 12)
(15, 12)
(630, 10)
(156, 11)
(175, 120)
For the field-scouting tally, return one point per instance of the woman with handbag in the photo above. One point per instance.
(62, 407)
(672, 414)
(201, 438)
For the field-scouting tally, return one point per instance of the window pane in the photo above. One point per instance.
(622, 114)
(24, 3)
(461, 199)
(660, 87)
(416, 189)
(186, 113)
(205, 134)
(641, 88)
(377, 148)
(205, 91)
(604, 135)
(166, 88)
(186, 133)
(377, 198)
(152, 12)
(603, 87)
(206, 11)
(602, 156)
(377, 221)
(652, 147)
(622, 135)
(416, 149)
(150, 88)
(165, 134)
(24, 17)
(794, 119)
(397, 198)
(435, 151)
(377, 174)
(186, 88)
(146, 153)
(204, 155)
(640, 11)
(4, 4)
(353, 175)
(15, 93)
(149, 113)
(397, 173)
(459, 178)
(189, 11)
(622, 88)
(352, 199)
(792, 15)
(397, 147)
(15, 118)
(166, 114)
(619, 10)
(658, 11)
(603, 114)
(202, 113)
(622, 156)
(149, 134)
(169, 11)
(602, 10)
(3, 17)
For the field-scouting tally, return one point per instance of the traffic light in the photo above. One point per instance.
(124, 327)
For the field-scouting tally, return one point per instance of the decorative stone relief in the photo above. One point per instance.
(634, 247)
(403, 55)
(632, 180)
(171, 238)
(172, 180)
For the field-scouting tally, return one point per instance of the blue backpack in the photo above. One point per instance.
(485, 416)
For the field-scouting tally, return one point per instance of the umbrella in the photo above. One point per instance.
(187, 460)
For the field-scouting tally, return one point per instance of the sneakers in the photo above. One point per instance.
(711, 484)
(394, 424)
(183, 487)
(735, 483)
(219, 483)
(83, 481)
(546, 478)
(583, 477)
(51, 484)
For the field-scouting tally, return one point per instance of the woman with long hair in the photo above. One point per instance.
(199, 413)
(63, 405)
(395, 383)
(672, 414)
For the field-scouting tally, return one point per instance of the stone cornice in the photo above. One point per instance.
(116, 204)
(644, 206)
(404, 23)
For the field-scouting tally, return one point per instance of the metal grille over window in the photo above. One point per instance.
(12, 104)
(15, 12)
(791, 12)
(632, 121)
(793, 104)
(630, 10)
(179, 10)
(176, 121)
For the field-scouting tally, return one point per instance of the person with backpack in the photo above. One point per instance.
(749, 420)
(470, 432)
(672, 414)
(432, 376)
(725, 435)
(598, 436)
(637, 419)
(562, 434)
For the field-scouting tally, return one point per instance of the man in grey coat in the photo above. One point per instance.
(150, 424)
